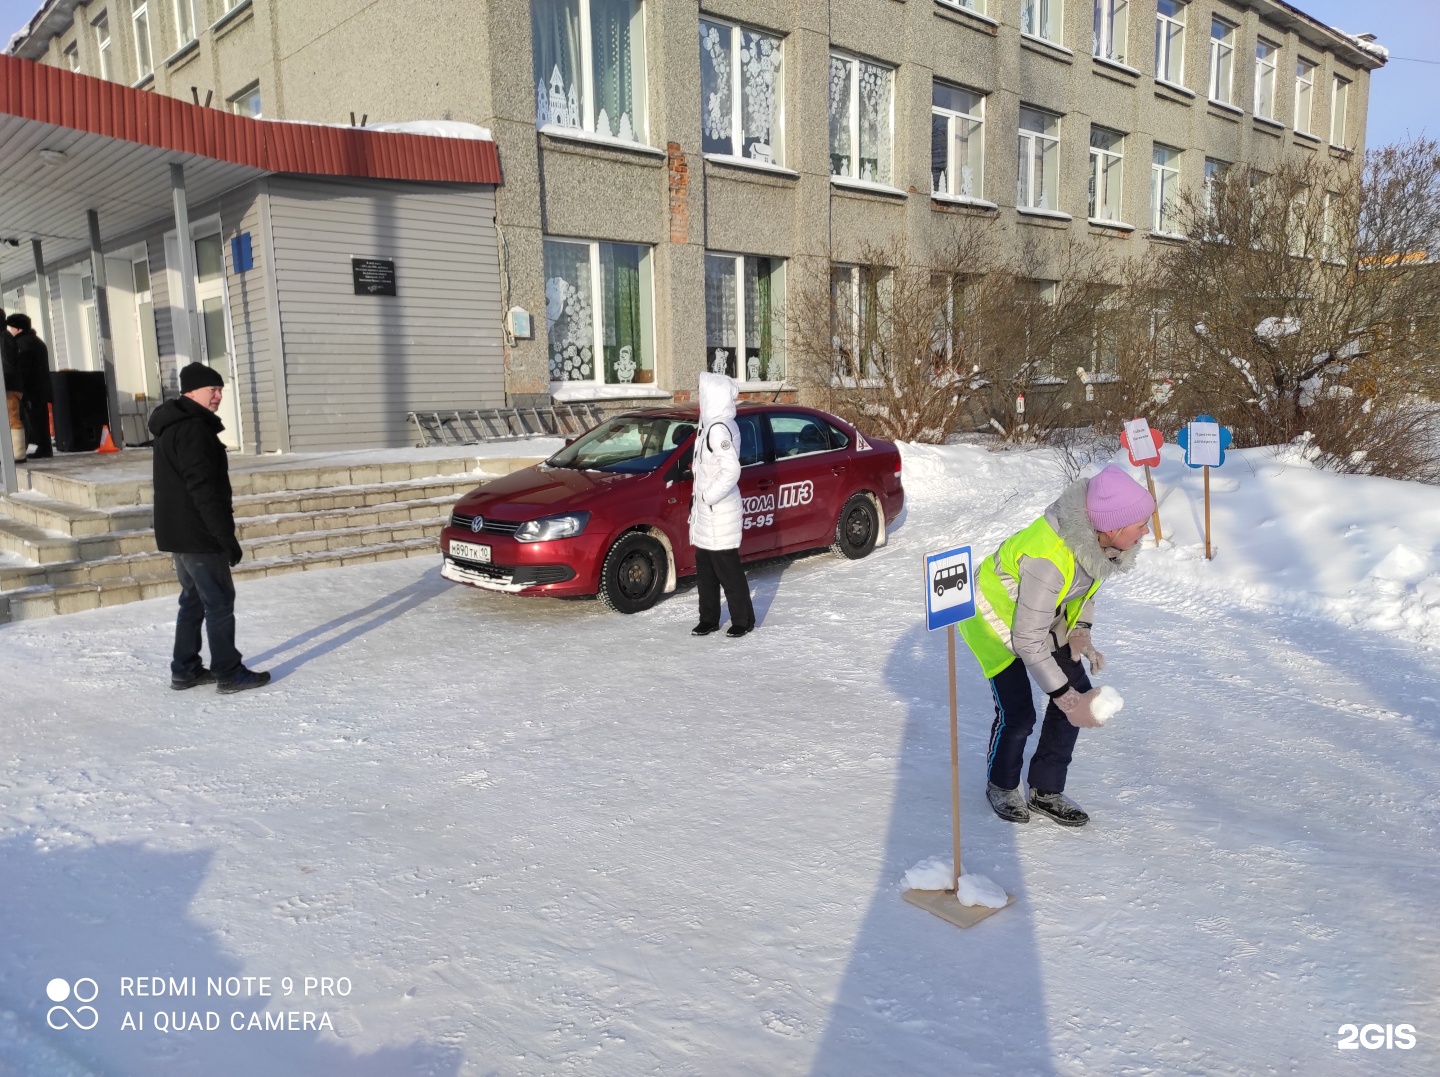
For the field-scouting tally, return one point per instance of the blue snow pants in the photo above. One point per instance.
(1015, 718)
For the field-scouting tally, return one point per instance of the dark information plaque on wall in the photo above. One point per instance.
(373, 276)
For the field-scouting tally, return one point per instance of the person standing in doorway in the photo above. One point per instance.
(1033, 600)
(195, 522)
(14, 397)
(33, 359)
(715, 516)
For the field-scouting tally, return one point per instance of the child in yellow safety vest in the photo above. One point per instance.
(1033, 618)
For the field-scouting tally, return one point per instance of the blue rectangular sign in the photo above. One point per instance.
(949, 587)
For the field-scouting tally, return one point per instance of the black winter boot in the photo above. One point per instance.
(1009, 804)
(1059, 807)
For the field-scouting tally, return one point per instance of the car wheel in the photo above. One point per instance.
(633, 575)
(858, 528)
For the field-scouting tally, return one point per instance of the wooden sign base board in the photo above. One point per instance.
(944, 905)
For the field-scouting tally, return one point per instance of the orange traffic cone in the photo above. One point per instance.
(106, 445)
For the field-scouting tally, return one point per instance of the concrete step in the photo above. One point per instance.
(49, 600)
(74, 521)
(346, 497)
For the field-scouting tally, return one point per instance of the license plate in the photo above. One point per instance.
(469, 551)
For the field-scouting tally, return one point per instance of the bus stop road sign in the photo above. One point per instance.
(949, 587)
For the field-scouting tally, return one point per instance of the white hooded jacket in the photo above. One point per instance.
(715, 504)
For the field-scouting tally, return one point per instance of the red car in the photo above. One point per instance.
(609, 513)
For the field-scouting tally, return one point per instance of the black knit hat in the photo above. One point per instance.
(19, 321)
(198, 376)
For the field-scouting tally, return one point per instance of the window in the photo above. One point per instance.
(1339, 102)
(1265, 79)
(1107, 155)
(958, 294)
(861, 115)
(1304, 85)
(1170, 41)
(1164, 187)
(590, 66)
(1112, 24)
(744, 296)
(969, 5)
(857, 294)
(598, 312)
(1037, 181)
(140, 20)
(741, 88)
(72, 56)
(1222, 60)
(1213, 169)
(185, 21)
(1039, 297)
(798, 435)
(957, 141)
(102, 42)
(247, 101)
(1041, 18)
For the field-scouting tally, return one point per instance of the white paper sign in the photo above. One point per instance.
(1142, 444)
(1204, 445)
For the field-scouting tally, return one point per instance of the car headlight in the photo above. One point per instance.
(566, 525)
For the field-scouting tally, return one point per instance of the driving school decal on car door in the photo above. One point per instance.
(760, 509)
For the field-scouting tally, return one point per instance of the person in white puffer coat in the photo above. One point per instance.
(715, 510)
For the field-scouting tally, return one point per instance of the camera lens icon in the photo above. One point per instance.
(84, 1017)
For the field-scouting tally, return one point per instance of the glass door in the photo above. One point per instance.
(215, 350)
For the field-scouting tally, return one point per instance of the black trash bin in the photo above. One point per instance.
(81, 409)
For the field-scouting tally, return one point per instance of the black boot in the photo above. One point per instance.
(1009, 804)
(1059, 807)
(702, 629)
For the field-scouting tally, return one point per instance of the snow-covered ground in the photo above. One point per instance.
(536, 838)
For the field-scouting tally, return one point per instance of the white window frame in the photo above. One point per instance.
(1164, 184)
(1046, 18)
(72, 56)
(185, 25)
(1339, 104)
(239, 103)
(952, 117)
(639, 123)
(1304, 94)
(1099, 175)
(777, 274)
(1266, 66)
(1214, 166)
(1029, 139)
(737, 104)
(144, 45)
(863, 374)
(1165, 47)
(1111, 30)
(597, 327)
(103, 40)
(854, 82)
(1039, 290)
(977, 6)
(1222, 62)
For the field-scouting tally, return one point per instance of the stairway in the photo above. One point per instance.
(83, 538)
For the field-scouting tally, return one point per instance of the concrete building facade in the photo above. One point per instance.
(673, 169)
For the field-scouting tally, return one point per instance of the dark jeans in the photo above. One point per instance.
(35, 414)
(721, 568)
(207, 595)
(1015, 718)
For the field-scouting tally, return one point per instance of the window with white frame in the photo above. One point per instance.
(599, 313)
(741, 92)
(958, 295)
(977, 6)
(1041, 18)
(1222, 61)
(1111, 28)
(185, 21)
(862, 116)
(1107, 160)
(1297, 224)
(858, 295)
(1037, 178)
(1304, 91)
(957, 141)
(72, 56)
(1039, 297)
(1339, 102)
(101, 23)
(1265, 54)
(1170, 41)
(1164, 189)
(744, 317)
(1214, 167)
(247, 102)
(140, 22)
(590, 66)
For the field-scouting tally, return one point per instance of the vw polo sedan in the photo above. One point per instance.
(608, 515)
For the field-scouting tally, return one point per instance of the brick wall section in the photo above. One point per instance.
(679, 193)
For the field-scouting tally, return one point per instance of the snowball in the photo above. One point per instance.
(978, 890)
(931, 874)
(1106, 705)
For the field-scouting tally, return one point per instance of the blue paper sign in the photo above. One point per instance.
(949, 587)
(1204, 441)
(242, 256)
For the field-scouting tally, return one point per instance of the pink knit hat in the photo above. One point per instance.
(1114, 500)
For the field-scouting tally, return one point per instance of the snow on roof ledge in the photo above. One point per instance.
(1365, 43)
(435, 129)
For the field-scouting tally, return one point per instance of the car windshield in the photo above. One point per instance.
(631, 444)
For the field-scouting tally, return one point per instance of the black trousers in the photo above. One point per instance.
(207, 597)
(35, 414)
(1015, 719)
(717, 569)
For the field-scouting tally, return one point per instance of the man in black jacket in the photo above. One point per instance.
(33, 360)
(14, 394)
(195, 521)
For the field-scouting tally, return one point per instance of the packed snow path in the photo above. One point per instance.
(538, 838)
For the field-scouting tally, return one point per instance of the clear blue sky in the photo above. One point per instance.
(1405, 95)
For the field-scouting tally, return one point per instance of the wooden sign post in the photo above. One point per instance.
(1143, 446)
(1204, 441)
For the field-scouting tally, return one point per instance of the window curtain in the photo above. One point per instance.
(622, 329)
(715, 84)
(721, 314)
(875, 83)
(939, 153)
(840, 150)
(555, 36)
(759, 321)
(760, 96)
(569, 315)
(617, 95)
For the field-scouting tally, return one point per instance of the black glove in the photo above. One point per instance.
(236, 553)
